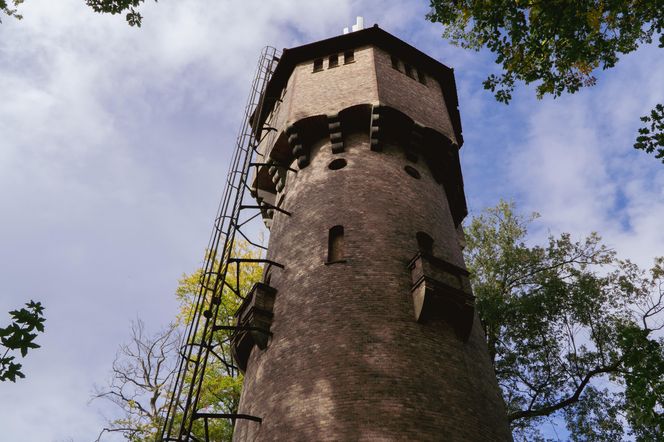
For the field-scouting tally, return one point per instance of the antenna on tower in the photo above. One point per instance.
(358, 26)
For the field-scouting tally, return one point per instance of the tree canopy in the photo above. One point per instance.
(557, 44)
(143, 370)
(19, 336)
(127, 7)
(9, 8)
(574, 333)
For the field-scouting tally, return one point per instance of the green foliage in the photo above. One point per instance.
(127, 7)
(20, 336)
(143, 369)
(134, 18)
(6, 7)
(220, 392)
(557, 44)
(651, 136)
(570, 329)
(644, 382)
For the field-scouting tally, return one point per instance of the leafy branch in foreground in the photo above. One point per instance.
(134, 18)
(572, 330)
(8, 10)
(651, 136)
(20, 336)
(557, 44)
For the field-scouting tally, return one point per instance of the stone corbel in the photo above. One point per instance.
(375, 133)
(441, 290)
(253, 321)
(336, 135)
(299, 151)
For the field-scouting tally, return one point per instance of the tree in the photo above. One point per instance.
(571, 330)
(7, 8)
(143, 370)
(20, 336)
(557, 44)
(220, 392)
(127, 7)
(134, 18)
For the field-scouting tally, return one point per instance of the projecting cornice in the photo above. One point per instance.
(373, 36)
(382, 125)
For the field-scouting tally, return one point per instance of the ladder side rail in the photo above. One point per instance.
(242, 156)
(246, 150)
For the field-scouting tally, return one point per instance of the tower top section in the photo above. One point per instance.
(373, 36)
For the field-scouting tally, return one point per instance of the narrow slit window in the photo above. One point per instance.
(424, 243)
(333, 61)
(318, 64)
(349, 57)
(421, 77)
(409, 70)
(395, 62)
(335, 245)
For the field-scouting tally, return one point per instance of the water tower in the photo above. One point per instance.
(366, 328)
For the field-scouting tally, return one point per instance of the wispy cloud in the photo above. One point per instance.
(114, 144)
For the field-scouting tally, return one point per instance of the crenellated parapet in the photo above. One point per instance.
(380, 125)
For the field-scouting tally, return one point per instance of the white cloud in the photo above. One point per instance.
(114, 144)
(576, 164)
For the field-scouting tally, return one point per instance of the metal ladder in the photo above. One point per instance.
(198, 341)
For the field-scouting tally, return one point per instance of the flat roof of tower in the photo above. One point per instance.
(373, 36)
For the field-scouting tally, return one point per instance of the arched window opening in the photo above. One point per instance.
(335, 245)
(424, 243)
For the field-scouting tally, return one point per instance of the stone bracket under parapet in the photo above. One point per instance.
(441, 290)
(383, 125)
(253, 320)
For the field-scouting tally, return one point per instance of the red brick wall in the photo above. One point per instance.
(422, 103)
(347, 360)
(325, 92)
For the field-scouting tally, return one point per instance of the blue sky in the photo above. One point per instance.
(114, 145)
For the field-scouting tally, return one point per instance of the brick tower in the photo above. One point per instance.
(368, 332)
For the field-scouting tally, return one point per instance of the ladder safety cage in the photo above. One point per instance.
(198, 340)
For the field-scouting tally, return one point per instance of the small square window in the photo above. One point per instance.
(318, 64)
(395, 62)
(333, 61)
(349, 57)
(409, 70)
(421, 77)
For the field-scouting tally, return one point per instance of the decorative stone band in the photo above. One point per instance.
(441, 290)
(382, 124)
(253, 320)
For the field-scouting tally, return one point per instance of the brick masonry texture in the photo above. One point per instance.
(347, 360)
(423, 103)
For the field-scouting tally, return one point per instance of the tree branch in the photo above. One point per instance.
(545, 411)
